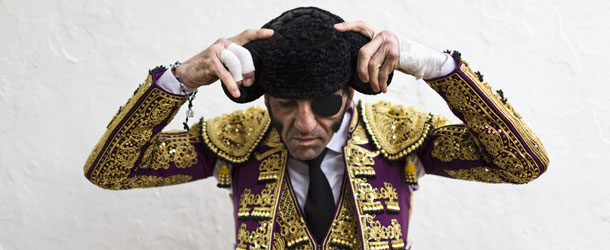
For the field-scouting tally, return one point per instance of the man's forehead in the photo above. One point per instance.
(270, 97)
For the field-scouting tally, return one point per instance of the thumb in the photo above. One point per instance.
(250, 35)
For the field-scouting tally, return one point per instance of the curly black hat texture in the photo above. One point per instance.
(305, 58)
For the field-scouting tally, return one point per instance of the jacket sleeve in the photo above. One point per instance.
(492, 145)
(134, 153)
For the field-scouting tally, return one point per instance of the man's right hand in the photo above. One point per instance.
(207, 66)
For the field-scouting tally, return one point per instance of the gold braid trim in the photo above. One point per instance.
(394, 129)
(235, 136)
(113, 158)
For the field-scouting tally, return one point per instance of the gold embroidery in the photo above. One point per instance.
(454, 142)
(270, 168)
(439, 121)
(368, 198)
(514, 148)
(485, 174)
(368, 204)
(265, 204)
(343, 233)
(278, 242)
(396, 130)
(235, 136)
(258, 239)
(113, 159)
(172, 146)
(273, 139)
(155, 181)
(263, 201)
(359, 136)
(292, 225)
(378, 234)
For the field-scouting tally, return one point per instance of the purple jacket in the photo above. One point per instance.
(492, 145)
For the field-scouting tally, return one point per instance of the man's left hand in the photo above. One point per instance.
(376, 59)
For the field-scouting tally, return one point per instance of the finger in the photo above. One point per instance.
(250, 35)
(226, 77)
(245, 59)
(364, 57)
(232, 62)
(383, 76)
(389, 64)
(374, 65)
(358, 26)
(249, 79)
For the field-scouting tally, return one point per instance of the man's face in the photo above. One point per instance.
(304, 132)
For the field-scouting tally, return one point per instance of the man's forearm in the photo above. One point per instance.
(493, 145)
(134, 152)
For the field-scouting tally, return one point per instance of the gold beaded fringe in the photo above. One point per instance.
(224, 175)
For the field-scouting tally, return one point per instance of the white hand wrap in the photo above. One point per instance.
(238, 60)
(421, 61)
(244, 56)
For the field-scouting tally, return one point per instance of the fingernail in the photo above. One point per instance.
(236, 93)
(338, 25)
(248, 82)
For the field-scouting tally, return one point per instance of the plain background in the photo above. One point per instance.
(67, 66)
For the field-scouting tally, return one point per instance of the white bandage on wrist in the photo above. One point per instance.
(419, 60)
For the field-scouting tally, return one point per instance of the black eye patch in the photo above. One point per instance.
(327, 105)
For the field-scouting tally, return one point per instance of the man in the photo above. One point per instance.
(315, 170)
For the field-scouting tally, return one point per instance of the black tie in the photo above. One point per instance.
(320, 204)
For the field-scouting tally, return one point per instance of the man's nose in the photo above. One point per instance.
(305, 121)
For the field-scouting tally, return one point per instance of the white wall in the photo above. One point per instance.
(67, 66)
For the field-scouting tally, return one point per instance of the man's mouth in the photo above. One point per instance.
(305, 141)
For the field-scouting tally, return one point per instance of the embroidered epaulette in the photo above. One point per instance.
(395, 130)
(233, 137)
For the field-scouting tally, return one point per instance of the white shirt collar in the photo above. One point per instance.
(339, 139)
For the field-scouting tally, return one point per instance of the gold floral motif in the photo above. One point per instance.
(514, 148)
(454, 142)
(264, 200)
(235, 136)
(396, 130)
(258, 239)
(376, 233)
(368, 198)
(129, 133)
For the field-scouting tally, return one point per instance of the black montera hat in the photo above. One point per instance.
(305, 58)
